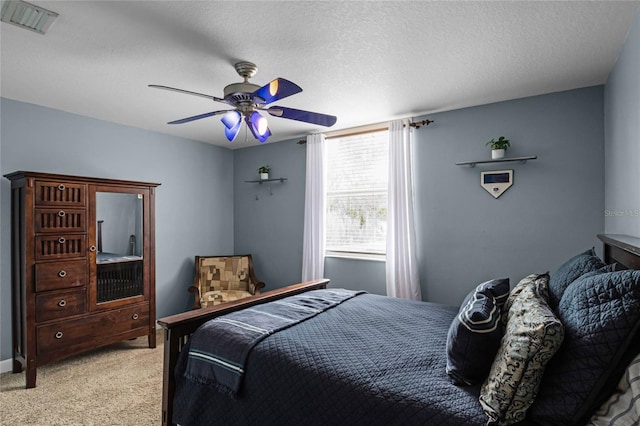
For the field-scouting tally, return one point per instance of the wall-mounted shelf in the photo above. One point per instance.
(260, 181)
(502, 160)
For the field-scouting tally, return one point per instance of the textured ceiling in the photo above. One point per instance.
(365, 62)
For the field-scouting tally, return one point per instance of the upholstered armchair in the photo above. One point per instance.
(221, 279)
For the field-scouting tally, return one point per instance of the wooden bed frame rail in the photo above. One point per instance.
(177, 329)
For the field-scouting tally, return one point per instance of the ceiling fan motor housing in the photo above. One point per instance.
(240, 92)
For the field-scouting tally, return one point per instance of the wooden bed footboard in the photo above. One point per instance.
(177, 329)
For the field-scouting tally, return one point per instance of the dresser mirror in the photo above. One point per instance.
(119, 245)
(119, 225)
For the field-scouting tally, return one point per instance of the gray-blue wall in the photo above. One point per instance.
(622, 135)
(194, 204)
(553, 210)
(203, 206)
(270, 227)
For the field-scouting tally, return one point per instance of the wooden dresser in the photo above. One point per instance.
(83, 265)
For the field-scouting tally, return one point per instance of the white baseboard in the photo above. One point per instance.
(6, 365)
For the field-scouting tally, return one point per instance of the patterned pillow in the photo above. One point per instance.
(571, 270)
(474, 335)
(524, 284)
(532, 337)
(601, 315)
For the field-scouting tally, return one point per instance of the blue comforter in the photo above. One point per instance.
(371, 360)
(219, 349)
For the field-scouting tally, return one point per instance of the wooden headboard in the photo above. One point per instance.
(622, 249)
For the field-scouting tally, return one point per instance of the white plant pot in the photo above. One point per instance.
(264, 176)
(497, 154)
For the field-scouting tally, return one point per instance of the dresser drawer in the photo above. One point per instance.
(91, 330)
(60, 220)
(59, 275)
(60, 304)
(60, 194)
(60, 246)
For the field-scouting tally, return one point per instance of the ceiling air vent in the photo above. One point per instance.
(27, 15)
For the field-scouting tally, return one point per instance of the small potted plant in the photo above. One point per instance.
(264, 171)
(498, 147)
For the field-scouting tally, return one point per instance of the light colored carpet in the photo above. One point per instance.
(119, 384)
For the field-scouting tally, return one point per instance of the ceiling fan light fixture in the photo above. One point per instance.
(261, 124)
(258, 126)
(27, 15)
(231, 119)
(232, 132)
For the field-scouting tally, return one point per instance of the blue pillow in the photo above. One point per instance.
(601, 316)
(474, 335)
(571, 270)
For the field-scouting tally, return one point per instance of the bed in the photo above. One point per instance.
(373, 360)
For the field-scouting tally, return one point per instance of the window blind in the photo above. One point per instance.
(356, 193)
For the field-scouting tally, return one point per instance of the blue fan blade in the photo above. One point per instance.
(232, 132)
(300, 115)
(197, 117)
(277, 89)
(230, 119)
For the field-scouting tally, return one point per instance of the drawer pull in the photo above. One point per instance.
(92, 248)
(61, 240)
(62, 303)
(134, 316)
(62, 273)
(59, 335)
(61, 187)
(61, 213)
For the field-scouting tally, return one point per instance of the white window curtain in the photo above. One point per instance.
(314, 210)
(401, 261)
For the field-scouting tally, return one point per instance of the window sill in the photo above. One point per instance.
(356, 256)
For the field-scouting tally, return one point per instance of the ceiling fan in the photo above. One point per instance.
(247, 99)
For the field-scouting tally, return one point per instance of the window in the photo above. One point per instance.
(356, 194)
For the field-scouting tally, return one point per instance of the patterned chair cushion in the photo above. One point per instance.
(224, 273)
(475, 333)
(571, 270)
(532, 336)
(216, 297)
(223, 279)
(601, 315)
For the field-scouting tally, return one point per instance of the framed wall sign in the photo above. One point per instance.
(495, 182)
